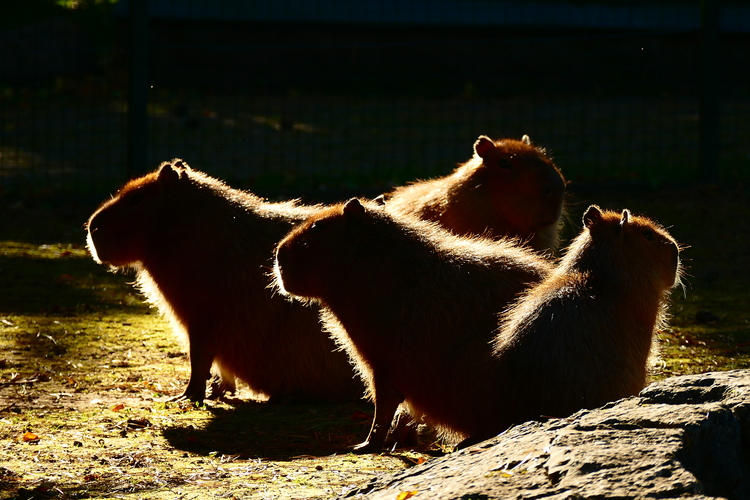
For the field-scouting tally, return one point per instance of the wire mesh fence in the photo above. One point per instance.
(297, 94)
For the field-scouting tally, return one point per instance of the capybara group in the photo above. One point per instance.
(583, 336)
(509, 188)
(416, 309)
(202, 252)
(414, 305)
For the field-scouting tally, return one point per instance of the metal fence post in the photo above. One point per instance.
(137, 138)
(710, 133)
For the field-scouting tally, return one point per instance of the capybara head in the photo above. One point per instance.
(311, 249)
(525, 184)
(631, 247)
(120, 229)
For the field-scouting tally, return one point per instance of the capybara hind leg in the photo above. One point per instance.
(386, 403)
(403, 430)
(221, 384)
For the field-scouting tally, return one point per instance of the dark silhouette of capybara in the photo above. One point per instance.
(509, 188)
(409, 302)
(202, 252)
(583, 337)
(414, 305)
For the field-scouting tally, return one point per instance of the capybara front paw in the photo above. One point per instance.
(186, 396)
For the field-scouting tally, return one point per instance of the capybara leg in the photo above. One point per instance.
(221, 384)
(195, 390)
(387, 400)
(201, 359)
(403, 430)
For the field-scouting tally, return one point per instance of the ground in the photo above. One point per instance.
(86, 367)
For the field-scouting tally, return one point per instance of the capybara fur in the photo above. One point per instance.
(509, 188)
(202, 252)
(583, 337)
(414, 305)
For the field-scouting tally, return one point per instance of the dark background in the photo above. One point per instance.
(300, 96)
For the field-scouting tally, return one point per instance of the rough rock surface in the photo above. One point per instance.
(684, 437)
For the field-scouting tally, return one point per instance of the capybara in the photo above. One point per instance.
(583, 336)
(509, 188)
(414, 305)
(202, 252)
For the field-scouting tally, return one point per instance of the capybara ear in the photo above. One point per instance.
(379, 200)
(593, 215)
(169, 173)
(625, 217)
(484, 147)
(353, 209)
(178, 163)
(526, 139)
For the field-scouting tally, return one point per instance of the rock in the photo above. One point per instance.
(685, 437)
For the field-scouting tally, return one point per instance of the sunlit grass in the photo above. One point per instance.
(87, 366)
(77, 4)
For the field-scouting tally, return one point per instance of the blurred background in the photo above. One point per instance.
(303, 96)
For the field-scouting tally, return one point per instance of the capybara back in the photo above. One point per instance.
(583, 336)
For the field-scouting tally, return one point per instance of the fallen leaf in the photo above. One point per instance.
(118, 407)
(406, 494)
(30, 436)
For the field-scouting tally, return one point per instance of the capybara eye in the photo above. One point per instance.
(316, 227)
(135, 198)
(648, 234)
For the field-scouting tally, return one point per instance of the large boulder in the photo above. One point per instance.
(684, 437)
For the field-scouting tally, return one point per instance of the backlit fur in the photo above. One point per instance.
(582, 337)
(413, 305)
(509, 188)
(202, 252)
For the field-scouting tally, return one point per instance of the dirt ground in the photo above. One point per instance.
(86, 367)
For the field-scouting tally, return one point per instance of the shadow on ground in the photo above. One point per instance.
(254, 429)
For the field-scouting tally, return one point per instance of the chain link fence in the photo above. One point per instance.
(296, 95)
